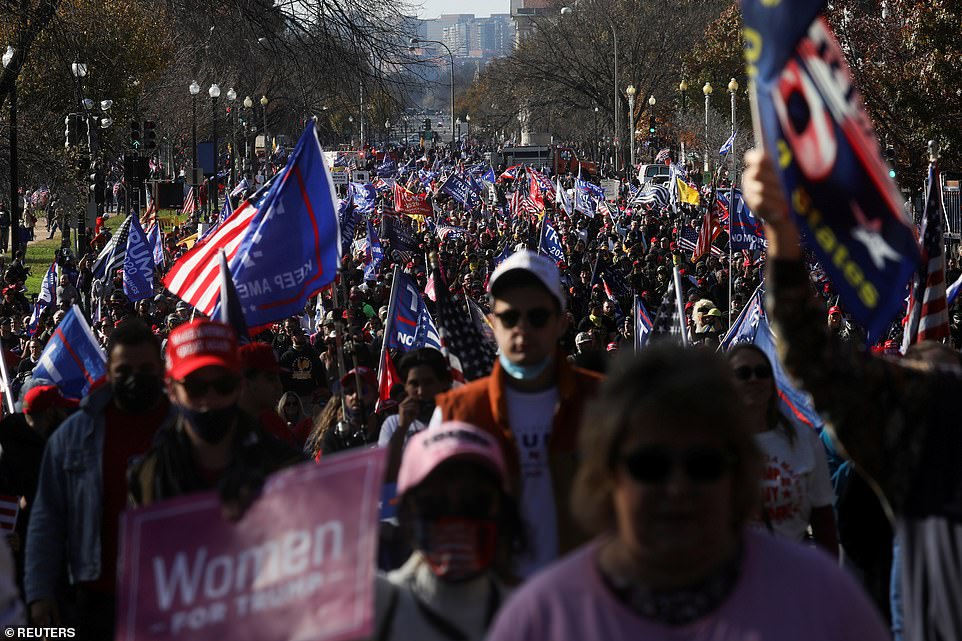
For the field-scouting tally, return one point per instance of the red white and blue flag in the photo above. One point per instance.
(928, 317)
(297, 214)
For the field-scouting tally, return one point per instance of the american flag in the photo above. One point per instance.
(663, 155)
(190, 203)
(464, 343)
(710, 230)
(112, 256)
(653, 195)
(688, 239)
(194, 277)
(928, 317)
(9, 510)
(668, 324)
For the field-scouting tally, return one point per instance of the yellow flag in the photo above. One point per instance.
(687, 194)
(189, 241)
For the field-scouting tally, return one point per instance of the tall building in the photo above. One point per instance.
(493, 36)
(525, 12)
(469, 37)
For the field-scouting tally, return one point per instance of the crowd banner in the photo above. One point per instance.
(813, 124)
(298, 565)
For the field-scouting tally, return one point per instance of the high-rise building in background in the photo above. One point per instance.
(469, 37)
(525, 12)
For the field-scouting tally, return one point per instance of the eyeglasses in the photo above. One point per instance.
(760, 372)
(537, 317)
(654, 464)
(224, 385)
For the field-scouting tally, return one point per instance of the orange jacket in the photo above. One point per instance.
(483, 403)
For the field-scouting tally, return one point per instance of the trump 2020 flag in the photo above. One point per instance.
(550, 245)
(364, 196)
(409, 324)
(72, 359)
(642, 324)
(292, 247)
(373, 253)
(837, 186)
(138, 264)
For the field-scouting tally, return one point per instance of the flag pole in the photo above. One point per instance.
(388, 323)
(676, 275)
(6, 381)
(634, 312)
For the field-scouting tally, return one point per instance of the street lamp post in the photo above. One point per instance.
(651, 133)
(631, 120)
(416, 41)
(264, 102)
(232, 97)
(214, 93)
(458, 123)
(14, 231)
(707, 91)
(248, 104)
(683, 89)
(733, 89)
(387, 131)
(194, 90)
(79, 71)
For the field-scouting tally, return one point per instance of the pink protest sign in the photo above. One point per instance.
(298, 566)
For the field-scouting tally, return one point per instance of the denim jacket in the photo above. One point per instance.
(67, 514)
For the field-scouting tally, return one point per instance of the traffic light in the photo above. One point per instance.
(150, 135)
(890, 159)
(72, 133)
(136, 139)
(427, 124)
(651, 125)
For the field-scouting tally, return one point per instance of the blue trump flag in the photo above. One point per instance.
(72, 359)
(364, 196)
(292, 247)
(229, 310)
(550, 244)
(409, 325)
(752, 326)
(643, 324)
(373, 254)
(138, 264)
(746, 231)
(587, 196)
(347, 217)
(849, 210)
(155, 240)
(46, 297)
(462, 188)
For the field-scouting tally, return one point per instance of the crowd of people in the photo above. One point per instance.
(591, 491)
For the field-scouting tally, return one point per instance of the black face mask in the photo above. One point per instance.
(211, 425)
(137, 393)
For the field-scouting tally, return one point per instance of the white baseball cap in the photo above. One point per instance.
(541, 267)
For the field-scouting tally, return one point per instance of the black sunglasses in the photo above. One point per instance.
(537, 317)
(224, 385)
(745, 373)
(654, 464)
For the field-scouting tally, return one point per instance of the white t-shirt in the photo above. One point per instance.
(795, 479)
(530, 416)
(389, 427)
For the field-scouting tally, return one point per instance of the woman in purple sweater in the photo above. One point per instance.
(668, 483)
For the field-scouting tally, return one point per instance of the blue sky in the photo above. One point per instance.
(434, 8)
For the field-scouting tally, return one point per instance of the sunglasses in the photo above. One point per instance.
(746, 373)
(537, 317)
(654, 464)
(223, 386)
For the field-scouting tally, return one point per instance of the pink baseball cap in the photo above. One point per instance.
(452, 439)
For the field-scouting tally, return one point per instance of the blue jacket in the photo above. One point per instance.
(66, 518)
